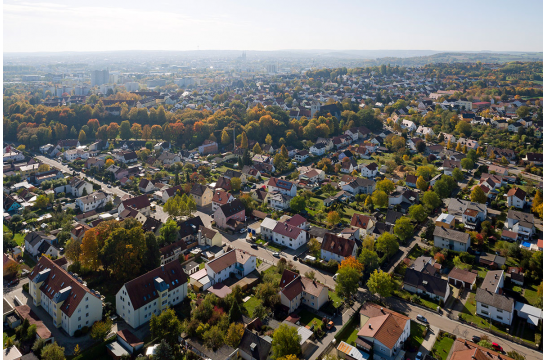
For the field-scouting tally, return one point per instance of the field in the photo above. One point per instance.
(337, 301)
(442, 347)
(417, 333)
(251, 304)
(308, 318)
(19, 238)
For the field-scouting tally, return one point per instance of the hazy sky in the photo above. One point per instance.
(99, 25)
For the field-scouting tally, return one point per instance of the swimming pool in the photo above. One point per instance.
(526, 244)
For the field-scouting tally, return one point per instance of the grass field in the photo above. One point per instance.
(415, 252)
(442, 347)
(308, 318)
(273, 270)
(417, 333)
(251, 304)
(530, 294)
(337, 301)
(350, 334)
(19, 238)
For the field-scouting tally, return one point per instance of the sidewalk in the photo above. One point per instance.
(429, 340)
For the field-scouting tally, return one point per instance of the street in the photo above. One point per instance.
(53, 163)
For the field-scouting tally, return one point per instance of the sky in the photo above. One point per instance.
(100, 25)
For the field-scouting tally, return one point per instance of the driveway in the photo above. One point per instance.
(61, 337)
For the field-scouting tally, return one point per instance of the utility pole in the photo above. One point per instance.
(234, 140)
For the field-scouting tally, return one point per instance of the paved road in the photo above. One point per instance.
(54, 163)
(454, 327)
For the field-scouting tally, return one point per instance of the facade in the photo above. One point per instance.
(282, 186)
(521, 223)
(93, 201)
(337, 248)
(446, 238)
(71, 304)
(296, 290)
(233, 211)
(289, 235)
(139, 203)
(421, 282)
(237, 262)
(267, 227)
(497, 307)
(201, 194)
(77, 187)
(208, 147)
(516, 197)
(151, 293)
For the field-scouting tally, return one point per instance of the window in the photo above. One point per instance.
(79, 318)
(499, 317)
(79, 326)
(87, 306)
(87, 315)
(500, 311)
(484, 306)
(484, 312)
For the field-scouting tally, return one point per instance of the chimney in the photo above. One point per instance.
(370, 327)
(163, 267)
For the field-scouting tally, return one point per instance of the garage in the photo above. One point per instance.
(462, 278)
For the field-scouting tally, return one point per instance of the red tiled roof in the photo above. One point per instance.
(360, 220)
(338, 245)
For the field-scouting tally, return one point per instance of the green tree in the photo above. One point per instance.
(421, 184)
(53, 352)
(235, 314)
(381, 283)
(41, 202)
(257, 149)
(347, 281)
(152, 256)
(125, 130)
(169, 231)
(418, 213)
(166, 326)
(385, 185)
(235, 184)
(403, 228)
(463, 128)
(82, 137)
(298, 204)
(457, 174)
(369, 259)
(314, 246)
(478, 195)
(387, 244)
(431, 200)
(285, 341)
(163, 351)
(380, 198)
(101, 329)
(467, 163)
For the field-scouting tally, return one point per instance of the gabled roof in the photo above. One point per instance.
(463, 275)
(254, 345)
(450, 234)
(228, 259)
(517, 192)
(281, 184)
(360, 220)
(338, 245)
(232, 208)
(499, 301)
(384, 325)
(138, 202)
(287, 230)
(426, 282)
(190, 226)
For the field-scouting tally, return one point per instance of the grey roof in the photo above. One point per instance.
(426, 282)
(498, 301)
(261, 347)
(451, 234)
(392, 216)
(520, 216)
(491, 280)
(94, 197)
(421, 262)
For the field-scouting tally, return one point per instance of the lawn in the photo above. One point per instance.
(350, 333)
(530, 294)
(315, 205)
(273, 270)
(417, 333)
(337, 301)
(415, 252)
(19, 238)
(442, 347)
(275, 247)
(308, 318)
(251, 304)
(469, 314)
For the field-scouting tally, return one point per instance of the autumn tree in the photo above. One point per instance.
(53, 352)
(421, 184)
(333, 218)
(101, 329)
(113, 130)
(166, 326)
(136, 131)
(235, 184)
(385, 185)
(156, 132)
(268, 139)
(478, 195)
(89, 250)
(314, 246)
(537, 204)
(285, 341)
(82, 137)
(257, 149)
(380, 198)
(244, 141)
(146, 132)
(225, 138)
(234, 334)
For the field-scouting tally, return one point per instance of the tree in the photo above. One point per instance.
(537, 204)
(156, 132)
(136, 131)
(146, 132)
(385, 185)
(113, 130)
(333, 218)
(166, 326)
(417, 213)
(463, 128)
(268, 139)
(381, 283)
(244, 141)
(77, 350)
(43, 168)
(235, 184)
(515, 355)
(369, 259)
(152, 256)
(101, 329)
(123, 250)
(125, 130)
(314, 246)
(380, 198)
(368, 203)
(41, 202)
(284, 152)
(213, 338)
(53, 352)
(459, 147)
(457, 174)
(169, 231)
(403, 228)
(38, 346)
(260, 311)
(298, 204)
(348, 277)
(225, 138)
(285, 341)
(163, 351)
(431, 200)
(89, 250)
(257, 149)
(421, 184)
(478, 195)
(444, 186)
(467, 163)
(234, 335)
(387, 244)
(235, 314)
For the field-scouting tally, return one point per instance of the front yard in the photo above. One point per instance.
(418, 332)
(337, 301)
(469, 314)
(442, 346)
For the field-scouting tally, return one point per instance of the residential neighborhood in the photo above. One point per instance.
(385, 212)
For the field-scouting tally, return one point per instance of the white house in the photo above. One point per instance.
(337, 248)
(369, 170)
(151, 293)
(497, 307)
(289, 235)
(318, 149)
(516, 197)
(423, 131)
(296, 290)
(283, 186)
(70, 303)
(71, 155)
(237, 261)
(267, 227)
(93, 201)
(34, 240)
(521, 223)
(277, 200)
(446, 238)
(408, 124)
(77, 187)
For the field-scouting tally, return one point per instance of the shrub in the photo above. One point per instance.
(25, 287)
(77, 333)
(85, 330)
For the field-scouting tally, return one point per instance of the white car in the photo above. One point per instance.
(335, 277)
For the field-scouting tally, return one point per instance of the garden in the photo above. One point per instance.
(442, 345)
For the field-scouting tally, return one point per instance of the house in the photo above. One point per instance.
(360, 186)
(446, 238)
(209, 237)
(278, 201)
(495, 306)
(516, 276)
(534, 158)
(463, 349)
(348, 166)
(337, 248)
(168, 158)
(363, 222)
(516, 197)
(289, 235)
(410, 181)
(423, 131)
(458, 207)
(521, 223)
(93, 201)
(369, 170)
(417, 282)
(282, 186)
(237, 262)
(498, 153)
(46, 176)
(253, 346)
(462, 278)
(202, 194)
(126, 156)
(99, 146)
(126, 343)
(383, 332)
(146, 186)
(298, 221)
(341, 196)
(311, 175)
(267, 228)
(68, 301)
(10, 204)
(78, 187)
(223, 183)
(296, 290)
(318, 149)
(301, 155)
(220, 198)
(117, 172)
(208, 147)
(171, 191)
(172, 251)
(230, 215)
(68, 143)
(35, 239)
(408, 124)
(492, 261)
(425, 264)
(392, 216)
(248, 171)
(151, 293)
(78, 231)
(139, 203)
(446, 221)
(497, 170)
(74, 154)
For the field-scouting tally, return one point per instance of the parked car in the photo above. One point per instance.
(421, 318)
(497, 347)
(419, 356)
(242, 231)
(13, 282)
(275, 254)
(295, 257)
(254, 246)
(475, 339)
(335, 277)
(330, 325)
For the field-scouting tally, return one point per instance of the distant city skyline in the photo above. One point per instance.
(62, 25)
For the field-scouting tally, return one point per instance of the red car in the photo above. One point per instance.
(497, 347)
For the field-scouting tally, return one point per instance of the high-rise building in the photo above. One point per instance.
(99, 77)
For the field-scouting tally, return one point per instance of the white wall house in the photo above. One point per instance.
(151, 293)
(282, 186)
(288, 235)
(497, 307)
(237, 262)
(446, 238)
(93, 201)
(337, 248)
(267, 228)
